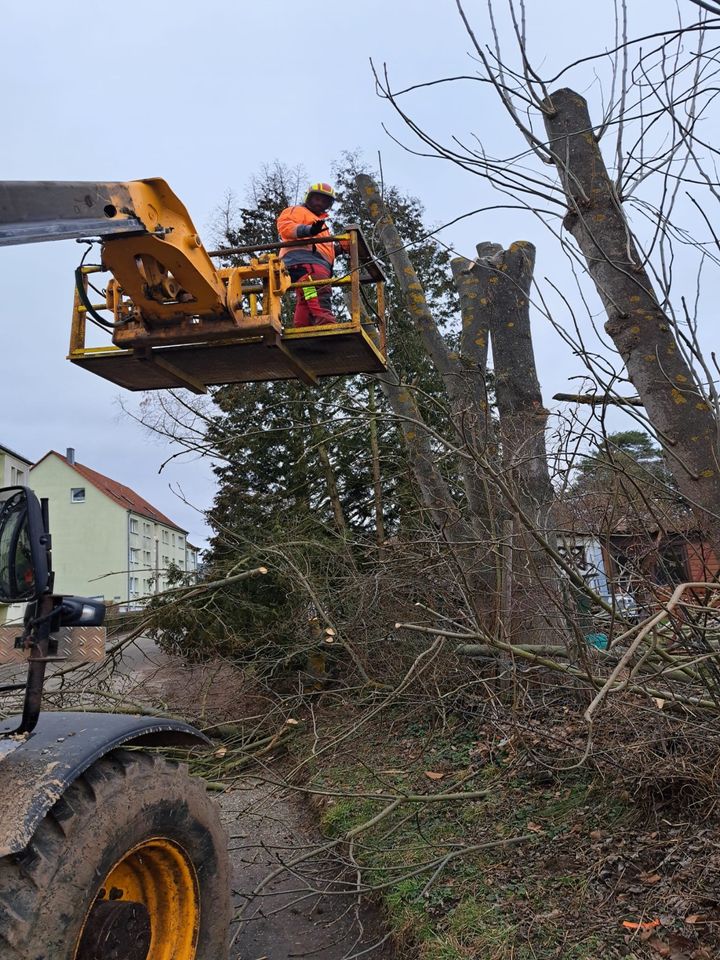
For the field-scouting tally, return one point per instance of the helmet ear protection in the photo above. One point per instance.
(322, 188)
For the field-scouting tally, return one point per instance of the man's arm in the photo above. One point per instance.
(292, 226)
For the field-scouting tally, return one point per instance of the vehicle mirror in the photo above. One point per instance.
(81, 612)
(24, 542)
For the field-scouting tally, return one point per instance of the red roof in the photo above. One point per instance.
(118, 492)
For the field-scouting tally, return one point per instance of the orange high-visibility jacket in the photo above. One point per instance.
(293, 224)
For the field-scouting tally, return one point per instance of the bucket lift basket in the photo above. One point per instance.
(170, 346)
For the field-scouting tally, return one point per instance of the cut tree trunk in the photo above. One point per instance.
(642, 332)
(505, 278)
(531, 594)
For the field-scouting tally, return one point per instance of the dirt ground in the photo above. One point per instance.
(285, 920)
(296, 915)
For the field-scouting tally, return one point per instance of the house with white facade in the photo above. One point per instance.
(14, 468)
(108, 542)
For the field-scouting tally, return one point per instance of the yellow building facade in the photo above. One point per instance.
(108, 542)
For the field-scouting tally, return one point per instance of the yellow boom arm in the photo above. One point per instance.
(177, 320)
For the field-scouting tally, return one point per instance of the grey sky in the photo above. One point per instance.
(202, 94)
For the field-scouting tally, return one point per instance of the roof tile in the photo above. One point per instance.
(122, 495)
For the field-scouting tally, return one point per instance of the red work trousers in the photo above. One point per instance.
(313, 305)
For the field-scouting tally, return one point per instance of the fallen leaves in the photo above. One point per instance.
(676, 947)
(650, 879)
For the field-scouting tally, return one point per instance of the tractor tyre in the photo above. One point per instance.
(131, 863)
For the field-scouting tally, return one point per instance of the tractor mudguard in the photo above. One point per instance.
(36, 769)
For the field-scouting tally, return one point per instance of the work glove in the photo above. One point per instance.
(316, 227)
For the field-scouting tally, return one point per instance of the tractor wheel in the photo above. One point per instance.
(130, 864)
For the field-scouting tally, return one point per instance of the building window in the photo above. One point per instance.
(146, 556)
(134, 586)
(173, 539)
(77, 494)
(134, 555)
(166, 536)
(146, 531)
(134, 526)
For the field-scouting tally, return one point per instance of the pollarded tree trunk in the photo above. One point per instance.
(474, 409)
(506, 279)
(532, 597)
(640, 329)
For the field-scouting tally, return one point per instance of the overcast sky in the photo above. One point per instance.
(203, 94)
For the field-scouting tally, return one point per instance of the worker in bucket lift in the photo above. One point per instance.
(313, 305)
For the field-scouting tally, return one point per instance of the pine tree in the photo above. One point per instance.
(630, 458)
(294, 473)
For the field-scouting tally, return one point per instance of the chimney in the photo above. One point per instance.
(70, 456)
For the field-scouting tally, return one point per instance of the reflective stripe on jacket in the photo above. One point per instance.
(294, 224)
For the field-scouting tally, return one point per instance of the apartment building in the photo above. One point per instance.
(108, 541)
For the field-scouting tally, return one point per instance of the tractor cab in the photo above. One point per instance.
(162, 336)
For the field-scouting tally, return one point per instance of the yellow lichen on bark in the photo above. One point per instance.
(678, 397)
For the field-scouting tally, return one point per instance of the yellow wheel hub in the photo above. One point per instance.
(158, 874)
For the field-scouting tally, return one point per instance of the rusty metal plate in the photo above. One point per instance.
(74, 645)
